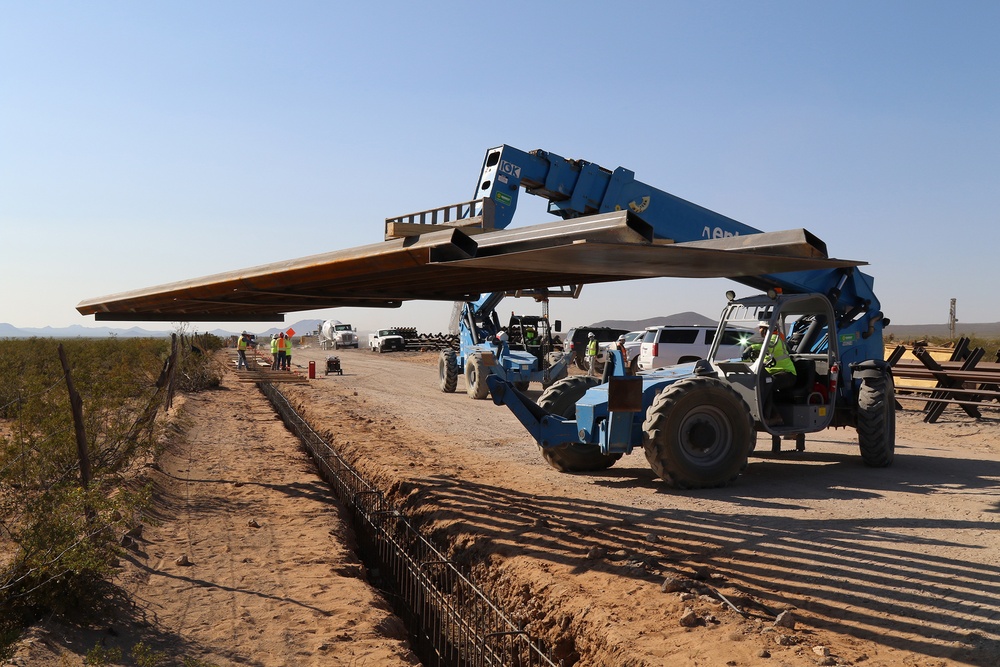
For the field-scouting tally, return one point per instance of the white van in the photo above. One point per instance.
(667, 346)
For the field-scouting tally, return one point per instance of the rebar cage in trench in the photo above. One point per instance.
(451, 621)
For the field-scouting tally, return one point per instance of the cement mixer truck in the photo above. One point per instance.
(335, 334)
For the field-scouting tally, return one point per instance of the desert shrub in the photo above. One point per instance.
(60, 540)
(198, 367)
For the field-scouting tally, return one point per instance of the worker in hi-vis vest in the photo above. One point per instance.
(281, 350)
(591, 354)
(779, 366)
(241, 350)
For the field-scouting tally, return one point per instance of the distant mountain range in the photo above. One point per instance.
(688, 319)
(78, 331)
(899, 331)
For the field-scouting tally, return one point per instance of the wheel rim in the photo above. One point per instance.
(705, 435)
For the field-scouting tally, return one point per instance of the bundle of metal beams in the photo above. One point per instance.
(450, 265)
(962, 381)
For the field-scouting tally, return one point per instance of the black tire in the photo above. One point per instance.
(877, 421)
(581, 361)
(698, 434)
(475, 378)
(633, 366)
(553, 358)
(560, 399)
(448, 370)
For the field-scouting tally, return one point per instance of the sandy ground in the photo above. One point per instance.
(245, 559)
(889, 567)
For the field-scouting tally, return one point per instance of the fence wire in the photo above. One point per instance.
(452, 621)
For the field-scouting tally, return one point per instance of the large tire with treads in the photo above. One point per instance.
(475, 377)
(553, 358)
(698, 434)
(560, 399)
(877, 421)
(448, 370)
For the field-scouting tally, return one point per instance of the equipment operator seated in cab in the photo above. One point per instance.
(780, 370)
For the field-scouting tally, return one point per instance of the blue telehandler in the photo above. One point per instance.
(520, 352)
(697, 423)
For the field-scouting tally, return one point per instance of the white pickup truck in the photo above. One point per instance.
(385, 340)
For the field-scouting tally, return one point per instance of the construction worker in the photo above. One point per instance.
(621, 348)
(779, 366)
(281, 351)
(274, 352)
(591, 354)
(241, 351)
(288, 353)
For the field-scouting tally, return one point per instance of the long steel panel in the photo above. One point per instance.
(452, 266)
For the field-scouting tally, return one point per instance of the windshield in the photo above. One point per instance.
(387, 332)
(342, 327)
(740, 330)
(803, 330)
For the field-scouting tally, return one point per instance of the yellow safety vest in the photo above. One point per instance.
(776, 358)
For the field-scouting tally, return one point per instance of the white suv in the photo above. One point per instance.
(666, 346)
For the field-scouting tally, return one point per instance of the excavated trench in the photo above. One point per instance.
(451, 620)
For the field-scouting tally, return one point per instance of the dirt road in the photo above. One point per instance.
(897, 566)
(884, 568)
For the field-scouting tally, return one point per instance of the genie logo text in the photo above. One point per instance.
(716, 233)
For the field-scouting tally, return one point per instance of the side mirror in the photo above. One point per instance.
(558, 325)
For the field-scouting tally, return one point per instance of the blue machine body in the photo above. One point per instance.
(577, 188)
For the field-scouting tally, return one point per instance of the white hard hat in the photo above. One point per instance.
(763, 323)
(591, 335)
(621, 338)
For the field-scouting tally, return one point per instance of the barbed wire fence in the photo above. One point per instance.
(68, 447)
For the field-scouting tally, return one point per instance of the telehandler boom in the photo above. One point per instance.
(697, 422)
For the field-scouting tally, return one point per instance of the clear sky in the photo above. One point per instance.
(147, 142)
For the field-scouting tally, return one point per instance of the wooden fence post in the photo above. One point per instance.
(169, 401)
(76, 403)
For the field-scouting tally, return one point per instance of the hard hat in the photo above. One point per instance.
(502, 336)
(591, 335)
(763, 323)
(621, 339)
(245, 333)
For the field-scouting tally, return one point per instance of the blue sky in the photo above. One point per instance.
(143, 143)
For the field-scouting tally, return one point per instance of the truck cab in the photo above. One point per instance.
(386, 340)
(802, 322)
